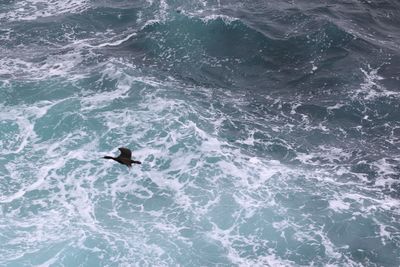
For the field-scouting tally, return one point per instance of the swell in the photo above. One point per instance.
(231, 54)
(292, 50)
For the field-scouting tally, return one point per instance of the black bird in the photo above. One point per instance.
(125, 157)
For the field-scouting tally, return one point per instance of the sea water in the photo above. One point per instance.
(268, 132)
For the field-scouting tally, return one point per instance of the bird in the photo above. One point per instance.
(124, 158)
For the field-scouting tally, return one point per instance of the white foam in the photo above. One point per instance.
(226, 19)
(118, 42)
(53, 66)
(34, 9)
(160, 122)
(227, 238)
(384, 168)
(329, 154)
(336, 106)
(314, 67)
(371, 88)
(163, 10)
(338, 205)
(23, 116)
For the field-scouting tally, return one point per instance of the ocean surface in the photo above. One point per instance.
(269, 133)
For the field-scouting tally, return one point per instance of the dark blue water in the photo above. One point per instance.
(269, 133)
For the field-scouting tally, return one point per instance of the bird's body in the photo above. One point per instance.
(124, 158)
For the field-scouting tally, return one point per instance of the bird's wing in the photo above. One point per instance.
(125, 152)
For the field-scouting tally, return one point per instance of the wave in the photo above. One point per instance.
(232, 54)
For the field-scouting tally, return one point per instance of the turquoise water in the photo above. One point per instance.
(269, 133)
